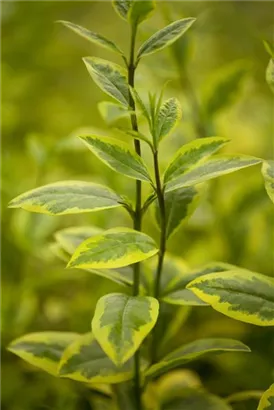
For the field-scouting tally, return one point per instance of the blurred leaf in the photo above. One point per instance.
(91, 36)
(121, 323)
(67, 197)
(242, 295)
(122, 7)
(192, 154)
(214, 167)
(267, 400)
(85, 361)
(43, 350)
(179, 206)
(268, 174)
(110, 77)
(112, 112)
(193, 399)
(269, 48)
(270, 74)
(224, 87)
(193, 351)
(118, 156)
(165, 37)
(115, 248)
(71, 238)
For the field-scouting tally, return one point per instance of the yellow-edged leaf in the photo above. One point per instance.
(268, 174)
(115, 248)
(267, 400)
(67, 197)
(121, 323)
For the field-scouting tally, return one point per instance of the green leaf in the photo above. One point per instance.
(110, 77)
(122, 7)
(85, 361)
(269, 75)
(192, 154)
(140, 11)
(268, 174)
(121, 323)
(212, 168)
(267, 400)
(137, 135)
(69, 239)
(224, 87)
(115, 248)
(193, 351)
(168, 116)
(67, 197)
(91, 36)
(269, 48)
(112, 112)
(178, 294)
(118, 156)
(194, 399)
(243, 295)
(43, 350)
(165, 37)
(59, 252)
(179, 206)
(140, 104)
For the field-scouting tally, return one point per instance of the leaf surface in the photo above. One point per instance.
(121, 323)
(268, 174)
(193, 351)
(243, 295)
(110, 77)
(67, 197)
(43, 350)
(269, 75)
(122, 7)
(85, 361)
(91, 36)
(115, 248)
(192, 154)
(140, 11)
(118, 156)
(165, 37)
(212, 168)
(179, 206)
(168, 117)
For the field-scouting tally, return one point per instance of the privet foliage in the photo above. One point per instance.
(124, 322)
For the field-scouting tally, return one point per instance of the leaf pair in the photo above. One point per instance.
(192, 165)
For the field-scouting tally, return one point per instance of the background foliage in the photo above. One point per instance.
(218, 74)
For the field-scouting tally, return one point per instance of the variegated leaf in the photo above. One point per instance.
(115, 248)
(69, 239)
(121, 323)
(212, 168)
(43, 350)
(192, 154)
(110, 77)
(243, 295)
(165, 37)
(118, 156)
(269, 75)
(112, 112)
(67, 197)
(268, 174)
(178, 294)
(193, 351)
(168, 117)
(140, 11)
(179, 206)
(85, 361)
(91, 36)
(122, 7)
(267, 400)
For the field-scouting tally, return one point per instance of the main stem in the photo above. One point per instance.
(162, 250)
(137, 222)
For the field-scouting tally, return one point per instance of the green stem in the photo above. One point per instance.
(137, 222)
(162, 250)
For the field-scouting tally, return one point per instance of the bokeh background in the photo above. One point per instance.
(217, 71)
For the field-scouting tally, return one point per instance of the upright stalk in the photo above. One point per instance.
(162, 250)
(137, 222)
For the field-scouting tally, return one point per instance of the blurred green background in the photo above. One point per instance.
(218, 73)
